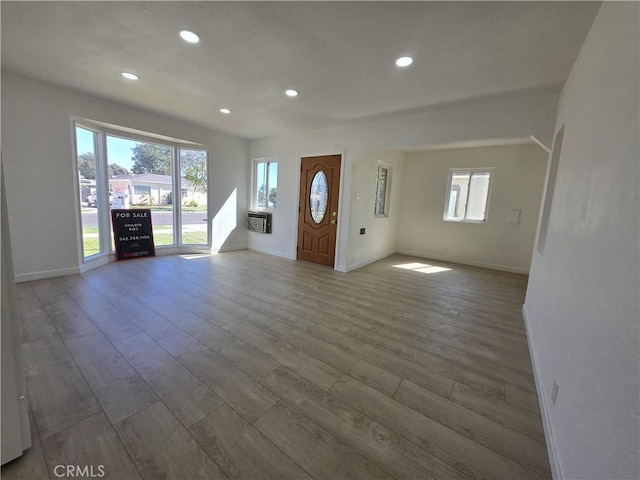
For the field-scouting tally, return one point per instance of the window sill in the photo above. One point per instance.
(263, 209)
(450, 220)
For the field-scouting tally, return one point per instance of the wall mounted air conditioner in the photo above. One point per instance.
(259, 222)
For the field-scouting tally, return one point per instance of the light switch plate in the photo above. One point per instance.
(514, 218)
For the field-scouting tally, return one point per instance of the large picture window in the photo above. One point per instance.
(122, 170)
(467, 196)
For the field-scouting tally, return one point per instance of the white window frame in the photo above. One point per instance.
(254, 182)
(470, 171)
(178, 187)
(101, 191)
(103, 131)
(387, 191)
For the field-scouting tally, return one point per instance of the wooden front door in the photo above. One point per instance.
(318, 211)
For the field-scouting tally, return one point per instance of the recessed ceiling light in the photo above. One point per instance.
(130, 76)
(225, 110)
(189, 36)
(404, 61)
(291, 93)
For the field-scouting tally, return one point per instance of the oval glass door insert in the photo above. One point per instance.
(318, 196)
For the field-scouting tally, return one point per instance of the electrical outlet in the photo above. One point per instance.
(554, 393)
(362, 231)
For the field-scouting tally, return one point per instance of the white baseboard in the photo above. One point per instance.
(552, 451)
(98, 262)
(277, 253)
(464, 261)
(105, 259)
(63, 272)
(230, 248)
(339, 268)
(362, 263)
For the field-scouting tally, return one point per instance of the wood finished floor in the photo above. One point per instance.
(244, 365)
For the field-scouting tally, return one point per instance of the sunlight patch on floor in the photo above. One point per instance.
(421, 267)
(193, 256)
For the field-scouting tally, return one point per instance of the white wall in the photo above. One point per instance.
(582, 307)
(380, 236)
(512, 118)
(16, 434)
(517, 182)
(37, 154)
(283, 239)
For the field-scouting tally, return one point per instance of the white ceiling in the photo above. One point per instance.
(338, 55)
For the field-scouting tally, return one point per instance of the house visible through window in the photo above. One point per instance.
(193, 193)
(265, 184)
(138, 171)
(382, 189)
(467, 196)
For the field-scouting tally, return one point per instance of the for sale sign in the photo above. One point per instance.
(132, 233)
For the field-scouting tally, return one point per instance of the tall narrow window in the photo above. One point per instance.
(265, 186)
(193, 193)
(467, 196)
(86, 149)
(382, 191)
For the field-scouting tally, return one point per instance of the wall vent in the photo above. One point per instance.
(259, 222)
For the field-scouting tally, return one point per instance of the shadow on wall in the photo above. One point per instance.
(224, 222)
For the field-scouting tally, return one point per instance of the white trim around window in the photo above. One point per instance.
(264, 183)
(468, 194)
(102, 184)
(383, 190)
